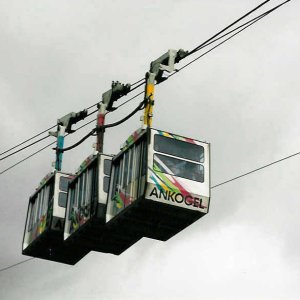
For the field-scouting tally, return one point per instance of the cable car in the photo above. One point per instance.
(43, 235)
(86, 209)
(44, 227)
(160, 184)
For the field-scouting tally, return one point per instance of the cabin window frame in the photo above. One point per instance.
(181, 158)
(31, 216)
(179, 172)
(71, 200)
(62, 199)
(159, 140)
(88, 186)
(136, 157)
(62, 186)
(94, 187)
(45, 200)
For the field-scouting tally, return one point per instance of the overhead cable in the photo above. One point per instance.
(16, 264)
(139, 107)
(39, 140)
(227, 27)
(27, 146)
(27, 157)
(255, 170)
(138, 81)
(48, 145)
(40, 150)
(208, 42)
(130, 99)
(48, 129)
(241, 28)
(22, 143)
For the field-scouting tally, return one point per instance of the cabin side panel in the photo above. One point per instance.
(82, 197)
(39, 212)
(178, 171)
(128, 177)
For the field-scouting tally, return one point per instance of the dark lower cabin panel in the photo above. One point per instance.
(154, 219)
(95, 236)
(50, 246)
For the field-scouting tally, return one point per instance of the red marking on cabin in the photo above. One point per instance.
(125, 200)
(190, 140)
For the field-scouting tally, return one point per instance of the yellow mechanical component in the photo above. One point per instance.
(149, 107)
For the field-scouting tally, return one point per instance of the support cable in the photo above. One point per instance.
(16, 264)
(22, 143)
(138, 81)
(249, 23)
(29, 145)
(227, 27)
(40, 150)
(130, 99)
(202, 45)
(48, 145)
(241, 28)
(206, 43)
(27, 157)
(48, 129)
(255, 170)
(138, 108)
(43, 138)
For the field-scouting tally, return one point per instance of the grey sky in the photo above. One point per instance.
(60, 56)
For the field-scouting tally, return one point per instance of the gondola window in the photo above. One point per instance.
(178, 148)
(178, 167)
(62, 199)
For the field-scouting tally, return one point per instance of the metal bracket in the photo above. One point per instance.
(71, 119)
(68, 120)
(116, 92)
(166, 63)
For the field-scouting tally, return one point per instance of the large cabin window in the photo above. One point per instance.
(51, 193)
(120, 175)
(76, 192)
(128, 175)
(107, 167)
(137, 161)
(84, 188)
(182, 159)
(32, 214)
(62, 199)
(94, 191)
(88, 186)
(106, 171)
(105, 184)
(80, 186)
(179, 148)
(45, 200)
(125, 170)
(38, 203)
(63, 183)
(72, 200)
(63, 186)
(178, 167)
(116, 176)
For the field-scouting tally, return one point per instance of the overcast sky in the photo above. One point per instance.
(243, 98)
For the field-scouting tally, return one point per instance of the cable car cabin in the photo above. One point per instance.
(43, 235)
(86, 209)
(160, 184)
